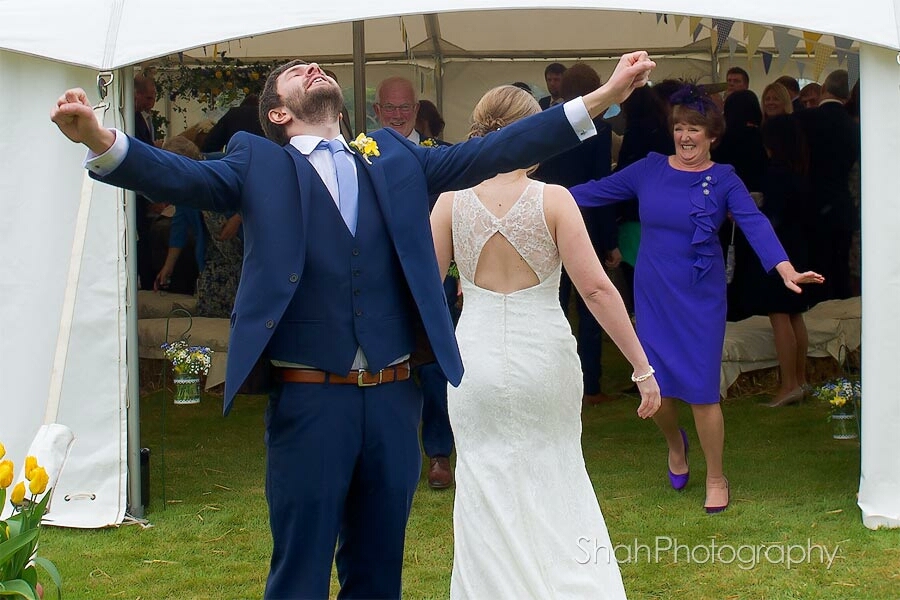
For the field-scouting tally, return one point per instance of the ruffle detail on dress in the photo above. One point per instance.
(705, 238)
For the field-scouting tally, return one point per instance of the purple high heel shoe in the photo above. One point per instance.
(680, 481)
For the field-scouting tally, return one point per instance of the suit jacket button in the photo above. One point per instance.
(270, 324)
(356, 252)
(294, 278)
(359, 313)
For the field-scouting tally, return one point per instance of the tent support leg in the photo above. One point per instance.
(133, 391)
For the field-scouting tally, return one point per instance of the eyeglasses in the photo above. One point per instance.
(393, 108)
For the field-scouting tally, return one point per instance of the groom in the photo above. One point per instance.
(339, 265)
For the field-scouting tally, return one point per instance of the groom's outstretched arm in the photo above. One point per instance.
(534, 139)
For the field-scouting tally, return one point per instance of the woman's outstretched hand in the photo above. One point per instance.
(793, 280)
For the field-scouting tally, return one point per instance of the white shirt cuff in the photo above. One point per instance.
(106, 163)
(580, 118)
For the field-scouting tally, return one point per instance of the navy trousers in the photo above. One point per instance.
(342, 466)
(437, 436)
(589, 337)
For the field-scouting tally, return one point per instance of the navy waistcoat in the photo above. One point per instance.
(352, 291)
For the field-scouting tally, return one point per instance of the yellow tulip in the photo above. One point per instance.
(18, 493)
(30, 463)
(6, 473)
(39, 481)
(2, 450)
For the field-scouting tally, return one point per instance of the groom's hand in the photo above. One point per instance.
(633, 71)
(75, 118)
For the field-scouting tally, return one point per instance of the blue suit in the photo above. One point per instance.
(343, 461)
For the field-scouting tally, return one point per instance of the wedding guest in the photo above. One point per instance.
(152, 224)
(553, 78)
(741, 147)
(590, 160)
(240, 118)
(793, 88)
(397, 106)
(523, 496)
(646, 130)
(810, 94)
(834, 147)
(429, 122)
(785, 188)
(218, 248)
(680, 301)
(399, 109)
(737, 79)
(776, 100)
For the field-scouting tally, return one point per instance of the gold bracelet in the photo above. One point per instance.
(644, 377)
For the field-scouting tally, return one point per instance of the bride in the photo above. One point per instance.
(526, 520)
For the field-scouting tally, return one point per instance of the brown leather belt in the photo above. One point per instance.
(399, 372)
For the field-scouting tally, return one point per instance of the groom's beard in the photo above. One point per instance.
(319, 106)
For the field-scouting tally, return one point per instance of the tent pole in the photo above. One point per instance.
(359, 76)
(132, 393)
(433, 31)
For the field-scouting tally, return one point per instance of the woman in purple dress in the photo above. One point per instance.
(680, 301)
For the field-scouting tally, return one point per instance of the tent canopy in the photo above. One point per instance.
(108, 34)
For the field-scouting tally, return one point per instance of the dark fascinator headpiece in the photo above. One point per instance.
(693, 97)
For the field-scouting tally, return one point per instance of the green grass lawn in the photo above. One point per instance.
(792, 487)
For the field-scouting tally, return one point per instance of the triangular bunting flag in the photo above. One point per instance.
(679, 19)
(723, 28)
(713, 43)
(841, 46)
(785, 43)
(658, 18)
(811, 39)
(852, 68)
(767, 61)
(754, 34)
(732, 47)
(696, 26)
(801, 67)
(822, 54)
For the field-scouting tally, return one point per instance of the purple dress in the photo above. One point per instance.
(679, 275)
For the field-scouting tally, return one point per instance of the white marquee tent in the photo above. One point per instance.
(49, 46)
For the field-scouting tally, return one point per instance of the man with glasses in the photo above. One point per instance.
(396, 106)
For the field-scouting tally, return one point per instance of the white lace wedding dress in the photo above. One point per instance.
(526, 520)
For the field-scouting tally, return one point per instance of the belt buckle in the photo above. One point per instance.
(361, 383)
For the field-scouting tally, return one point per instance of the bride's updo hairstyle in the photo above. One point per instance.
(501, 106)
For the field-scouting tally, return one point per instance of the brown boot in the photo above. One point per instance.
(440, 475)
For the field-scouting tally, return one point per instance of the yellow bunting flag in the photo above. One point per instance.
(754, 34)
(694, 22)
(679, 19)
(822, 55)
(810, 40)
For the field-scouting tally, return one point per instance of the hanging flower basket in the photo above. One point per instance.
(189, 363)
(843, 397)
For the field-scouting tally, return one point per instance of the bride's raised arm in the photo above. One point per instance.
(600, 295)
(442, 230)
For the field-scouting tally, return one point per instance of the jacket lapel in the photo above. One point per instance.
(376, 175)
(305, 173)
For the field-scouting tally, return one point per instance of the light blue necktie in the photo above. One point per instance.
(348, 186)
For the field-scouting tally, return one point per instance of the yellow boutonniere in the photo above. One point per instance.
(366, 146)
(428, 143)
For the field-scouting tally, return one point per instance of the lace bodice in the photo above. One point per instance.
(523, 226)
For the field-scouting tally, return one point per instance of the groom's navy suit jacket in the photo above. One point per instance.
(272, 187)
